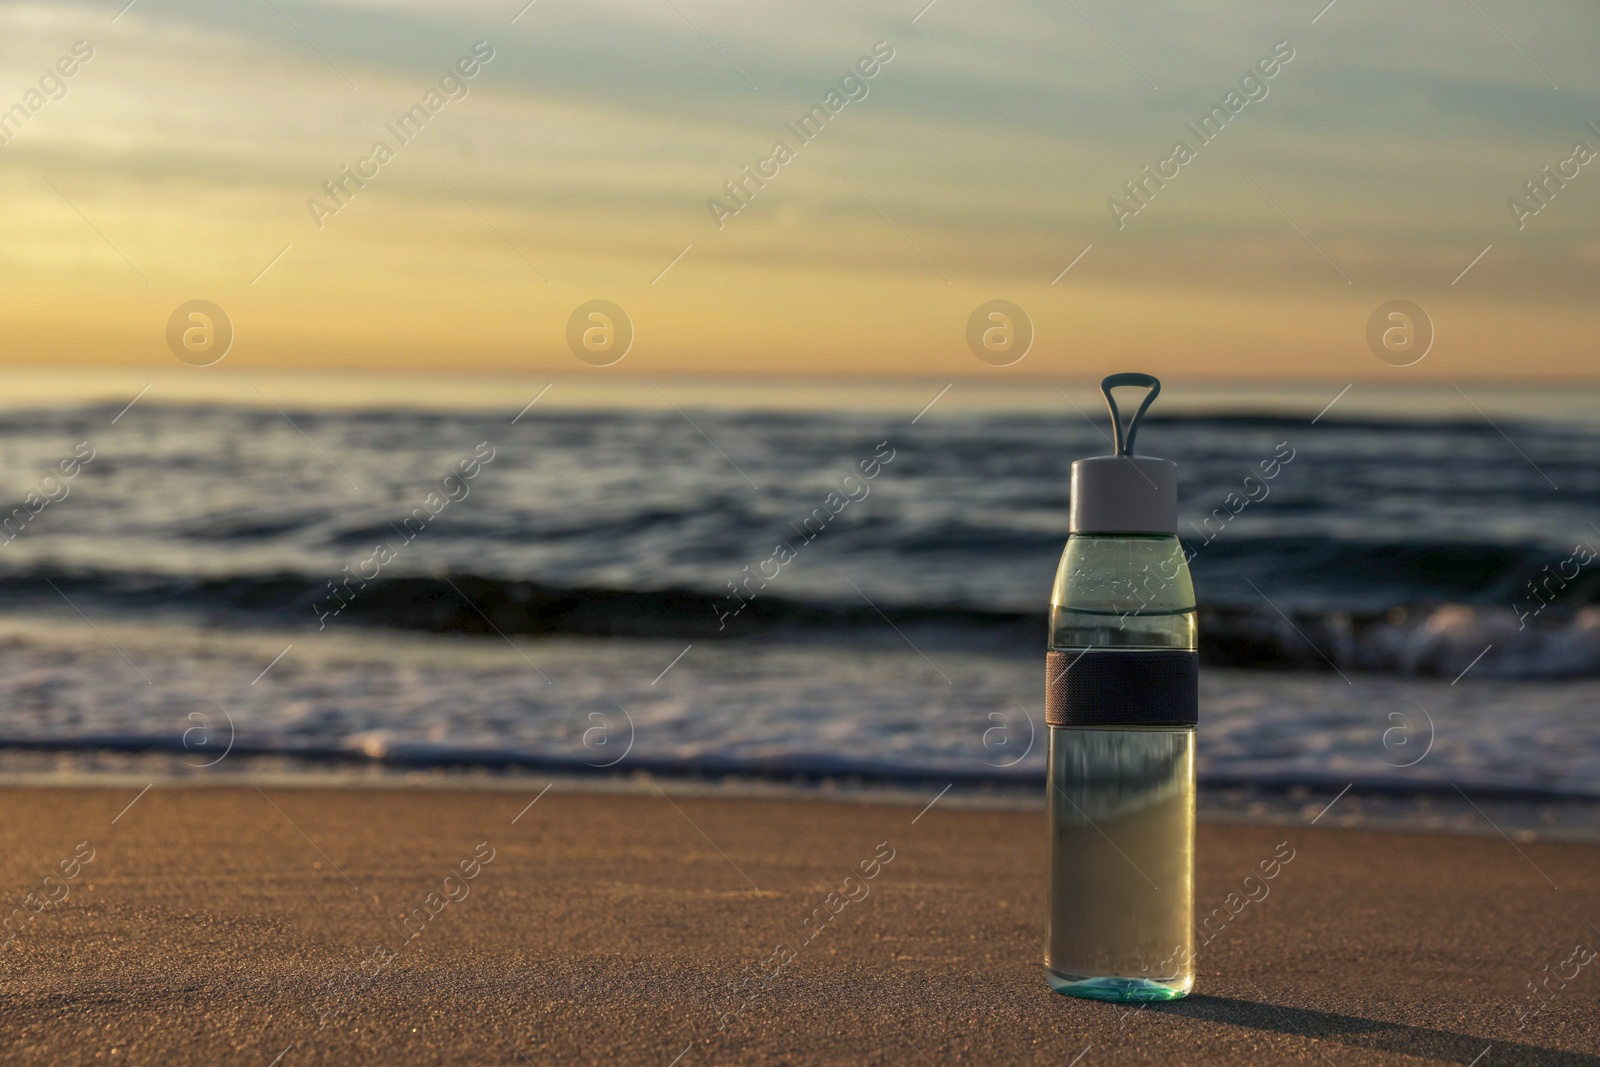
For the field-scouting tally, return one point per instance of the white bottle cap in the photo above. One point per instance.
(1124, 493)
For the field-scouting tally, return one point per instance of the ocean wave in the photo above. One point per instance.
(1440, 638)
(379, 749)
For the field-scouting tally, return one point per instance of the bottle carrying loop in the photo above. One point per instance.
(1124, 441)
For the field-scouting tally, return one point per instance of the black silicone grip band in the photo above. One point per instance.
(1116, 687)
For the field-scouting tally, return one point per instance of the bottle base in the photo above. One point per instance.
(1121, 990)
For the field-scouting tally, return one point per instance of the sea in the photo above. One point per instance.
(828, 586)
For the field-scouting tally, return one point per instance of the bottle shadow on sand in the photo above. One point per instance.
(1357, 1032)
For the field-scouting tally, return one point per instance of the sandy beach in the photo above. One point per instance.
(286, 925)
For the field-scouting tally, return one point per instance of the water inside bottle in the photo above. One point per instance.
(1121, 889)
(1121, 799)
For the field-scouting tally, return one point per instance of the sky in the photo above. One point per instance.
(185, 160)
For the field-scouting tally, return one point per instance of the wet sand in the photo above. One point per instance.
(243, 925)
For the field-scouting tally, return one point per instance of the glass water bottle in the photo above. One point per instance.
(1121, 703)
